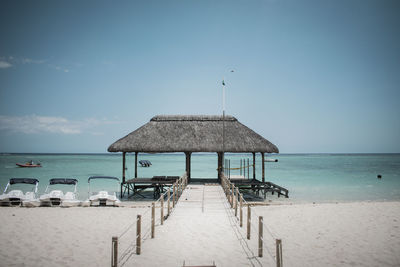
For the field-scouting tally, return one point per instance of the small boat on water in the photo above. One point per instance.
(16, 197)
(29, 164)
(145, 163)
(102, 197)
(57, 197)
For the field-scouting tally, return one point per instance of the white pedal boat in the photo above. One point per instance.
(16, 197)
(57, 197)
(102, 197)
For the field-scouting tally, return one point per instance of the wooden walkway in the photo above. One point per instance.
(201, 230)
(135, 187)
(259, 187)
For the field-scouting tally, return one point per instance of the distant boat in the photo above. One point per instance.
(145, 163)
(29, 164)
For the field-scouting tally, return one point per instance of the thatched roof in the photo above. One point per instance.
(193, 134)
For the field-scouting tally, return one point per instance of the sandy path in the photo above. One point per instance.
(198, 232)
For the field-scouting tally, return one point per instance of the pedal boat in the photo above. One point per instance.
(103, 197)
(57, 197)
(16, 197)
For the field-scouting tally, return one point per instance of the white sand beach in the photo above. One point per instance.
(197, 232)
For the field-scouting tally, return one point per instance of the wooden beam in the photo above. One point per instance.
(188, 161)
(123, 174)
(138, 234)
(136, 154)
(123, 166)
(153, 219)
(219, 166)
(114, 251)
(263, 167)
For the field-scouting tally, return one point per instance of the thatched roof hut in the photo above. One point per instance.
(182, 133)
(194, 133)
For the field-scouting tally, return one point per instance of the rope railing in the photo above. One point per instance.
(235, 198)
(241, 237)
(136, 243)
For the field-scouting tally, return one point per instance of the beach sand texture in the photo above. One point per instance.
(344, 234)
(200, 231)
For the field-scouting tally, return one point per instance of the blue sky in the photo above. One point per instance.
(311, 76)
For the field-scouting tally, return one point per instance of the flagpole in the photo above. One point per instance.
(223, 121)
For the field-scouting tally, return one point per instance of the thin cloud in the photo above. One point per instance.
(58, 68)
(5, 64)
(32, 61)
(15, 61)
(34, 124)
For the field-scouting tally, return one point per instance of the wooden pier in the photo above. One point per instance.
(136, 186)
(207, 217)
(260, 187)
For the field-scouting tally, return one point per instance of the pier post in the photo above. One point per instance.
(153, 219)
(263, 167)
(180, 194)
(138, 234)
(232, 192)
(114, 251)
(162, 210)
(178, 191)
(260, 236)
(225, 186)
(180, 188)
(240, 167)
(241, 211)
(174, 196)
(279, 260)
(248, 221)
(169, 197)
(236, 200)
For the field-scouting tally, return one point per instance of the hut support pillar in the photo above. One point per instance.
(136, 154)
(254, 165)
(263, 167)
(123, 171)
(123, 166)
(188, 159)
(220, 159)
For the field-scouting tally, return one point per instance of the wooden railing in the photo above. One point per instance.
(120, 256)
(237, 203)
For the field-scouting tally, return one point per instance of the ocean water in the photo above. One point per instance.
(308, 177)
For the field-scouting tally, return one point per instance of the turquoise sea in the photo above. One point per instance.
(308, 177)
